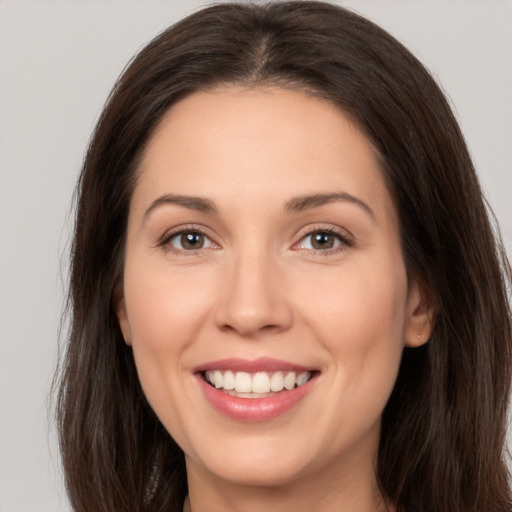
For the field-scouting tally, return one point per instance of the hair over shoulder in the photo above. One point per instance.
(444, 427)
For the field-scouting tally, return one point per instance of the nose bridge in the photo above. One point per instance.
(252, 296)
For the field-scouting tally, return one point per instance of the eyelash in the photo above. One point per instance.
(344, 241)
(165, 242)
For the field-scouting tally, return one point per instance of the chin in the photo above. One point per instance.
(261, 473)
(257, 462)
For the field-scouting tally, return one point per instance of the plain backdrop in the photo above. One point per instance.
(58, 61)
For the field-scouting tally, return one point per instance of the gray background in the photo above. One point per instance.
(58, 61)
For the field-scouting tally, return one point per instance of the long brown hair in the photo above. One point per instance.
(443, 430)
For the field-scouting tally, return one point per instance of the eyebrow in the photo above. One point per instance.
(296, 204)
(200, 204)
(299, 203)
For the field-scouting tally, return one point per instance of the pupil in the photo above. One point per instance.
(323, 241)
(192, 240)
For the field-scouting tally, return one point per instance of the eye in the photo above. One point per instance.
(323, 240)
(187, 241)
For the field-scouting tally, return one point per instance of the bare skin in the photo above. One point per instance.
(261, 227)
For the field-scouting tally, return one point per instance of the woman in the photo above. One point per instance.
(286, 293)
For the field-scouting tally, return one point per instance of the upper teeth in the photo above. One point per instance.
(260, 382)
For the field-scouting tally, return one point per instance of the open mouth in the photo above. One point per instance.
(258, 384)
(275, 387)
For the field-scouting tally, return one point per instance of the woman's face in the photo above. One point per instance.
(263, 253)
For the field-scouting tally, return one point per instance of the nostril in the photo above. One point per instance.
(253, 306)
(254, 330)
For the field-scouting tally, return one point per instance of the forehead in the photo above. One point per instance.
(259, 143)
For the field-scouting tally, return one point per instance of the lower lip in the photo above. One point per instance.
(254, 409)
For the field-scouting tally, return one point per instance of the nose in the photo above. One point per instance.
(253, 297)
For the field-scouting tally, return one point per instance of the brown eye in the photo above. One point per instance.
(189, 241)
(322, 240)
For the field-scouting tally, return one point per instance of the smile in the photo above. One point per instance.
(254, 391)
(256, 385)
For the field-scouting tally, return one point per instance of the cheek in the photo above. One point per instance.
(164, 306)
(358, 304)
(359, 316)
(360, 323)
(165, 310)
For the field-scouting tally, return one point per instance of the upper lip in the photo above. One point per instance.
(262, 364)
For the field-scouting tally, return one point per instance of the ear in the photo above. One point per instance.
(121, 313)
(420, 315)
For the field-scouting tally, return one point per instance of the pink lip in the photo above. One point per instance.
(253, 409)
(263, 364)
